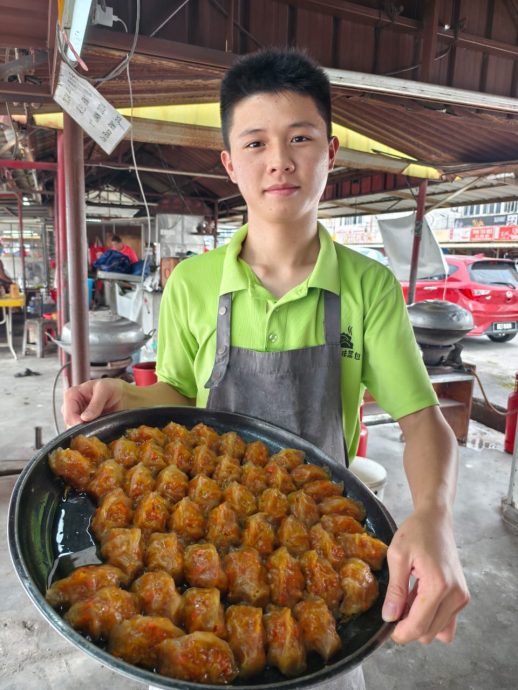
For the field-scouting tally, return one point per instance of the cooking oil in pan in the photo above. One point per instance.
(73, 542)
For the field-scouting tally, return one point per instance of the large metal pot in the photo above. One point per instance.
(112, 337)
(49, 536)
(438, 322)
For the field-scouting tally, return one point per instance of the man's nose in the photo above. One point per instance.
(280, 160)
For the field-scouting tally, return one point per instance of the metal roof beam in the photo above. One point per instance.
(392, 86)
(431, 22)
(359, 160)
(160, 48)
(158, 171)
(23, 93)
(149, 131)
(352, 10)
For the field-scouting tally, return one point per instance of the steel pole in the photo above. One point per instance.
(45, 250)
(60, 239)
(76, 248)
(22, 249)
(418, 233)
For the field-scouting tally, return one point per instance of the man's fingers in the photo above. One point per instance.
(70, 417)
(447, 635)
(431, 616)
(98, 403)
(72, 406)
(397, 590)
(420, 617)
(445, 622)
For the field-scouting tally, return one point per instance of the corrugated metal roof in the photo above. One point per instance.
(474, 46)
(434, 136)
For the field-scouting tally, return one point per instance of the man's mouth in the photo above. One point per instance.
(281, 189)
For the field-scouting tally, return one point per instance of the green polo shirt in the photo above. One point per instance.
(379, 351)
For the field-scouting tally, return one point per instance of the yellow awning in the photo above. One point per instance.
(207, 115)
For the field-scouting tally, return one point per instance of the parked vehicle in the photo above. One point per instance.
(371, 253)
(486, 287)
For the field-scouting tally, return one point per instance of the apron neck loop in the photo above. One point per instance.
(222, 340)
(332, 317)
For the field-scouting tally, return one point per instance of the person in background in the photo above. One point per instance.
(283, 297)
(5, 280)
(119, 246)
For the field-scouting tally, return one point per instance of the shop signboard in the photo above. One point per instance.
(486, 220)
(484, 234)
(362, 235)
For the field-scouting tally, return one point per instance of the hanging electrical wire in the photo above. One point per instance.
(118, 69)
(137, 175)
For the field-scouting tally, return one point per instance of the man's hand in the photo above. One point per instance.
(424, 547)
(92, 399)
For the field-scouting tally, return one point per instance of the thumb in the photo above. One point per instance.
(397, 593)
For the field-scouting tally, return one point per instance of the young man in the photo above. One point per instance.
(119, 246)
(284, 325)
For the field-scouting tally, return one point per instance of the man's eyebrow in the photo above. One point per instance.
(304, 123)
(293, 125)
(248, 132)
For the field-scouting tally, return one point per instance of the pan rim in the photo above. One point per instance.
(325, 673)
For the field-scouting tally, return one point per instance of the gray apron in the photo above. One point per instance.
(298, 390)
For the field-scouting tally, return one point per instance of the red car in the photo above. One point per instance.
(486, 287)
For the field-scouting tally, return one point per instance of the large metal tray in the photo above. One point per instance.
(49, 536)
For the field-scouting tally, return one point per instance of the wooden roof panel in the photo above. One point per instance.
(180, 59)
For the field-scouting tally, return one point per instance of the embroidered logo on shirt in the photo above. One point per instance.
(346, 343)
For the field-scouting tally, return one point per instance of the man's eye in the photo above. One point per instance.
(253, 145)
(299, 138)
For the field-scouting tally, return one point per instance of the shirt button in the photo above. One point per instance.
(272, 337)
(222, 310)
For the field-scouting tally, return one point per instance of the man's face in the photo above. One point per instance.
(117, 246)
(279, 155)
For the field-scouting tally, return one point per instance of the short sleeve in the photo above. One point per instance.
(393, 368)
(177, 346)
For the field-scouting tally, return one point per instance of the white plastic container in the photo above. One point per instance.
(371, 473)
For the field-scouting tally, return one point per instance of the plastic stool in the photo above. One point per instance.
(371, 473)
(35, 335)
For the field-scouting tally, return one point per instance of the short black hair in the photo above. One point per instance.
(273, 70)
(116, 238)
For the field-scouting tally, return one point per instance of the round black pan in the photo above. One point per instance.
(49, 536)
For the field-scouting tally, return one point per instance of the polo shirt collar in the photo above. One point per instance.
(324, 276)
(234, 276)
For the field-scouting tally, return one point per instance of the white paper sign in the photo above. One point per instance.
(89, 109)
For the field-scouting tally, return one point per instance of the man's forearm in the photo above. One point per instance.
(149, 396)
(430, 459)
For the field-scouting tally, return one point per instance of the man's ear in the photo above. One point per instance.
(334, 145)
(227, 164)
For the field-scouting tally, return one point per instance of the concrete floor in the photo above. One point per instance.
(483, 656)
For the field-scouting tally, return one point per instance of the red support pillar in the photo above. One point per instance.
(76, 248)
(418, 233)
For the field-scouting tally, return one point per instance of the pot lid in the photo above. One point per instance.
(105, 326)
(437, 314)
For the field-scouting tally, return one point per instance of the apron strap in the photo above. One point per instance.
(332, 321)
(332, 317)
(222, 340)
